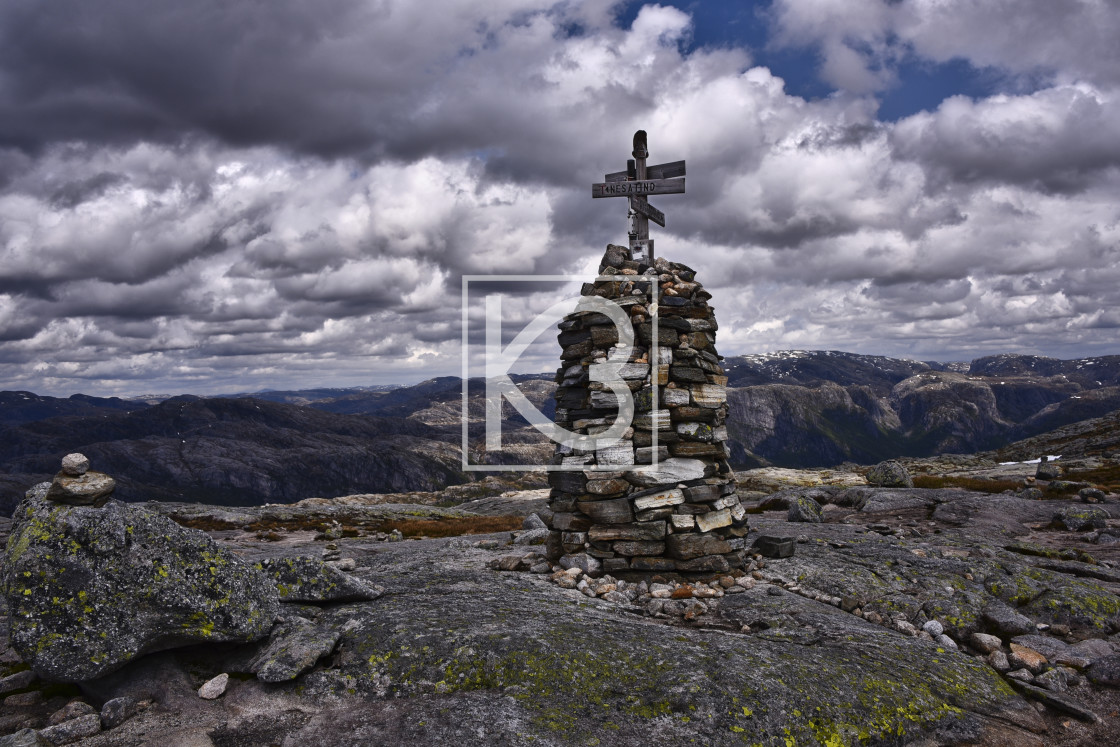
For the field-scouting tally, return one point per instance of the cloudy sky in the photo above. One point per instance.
(228, 195)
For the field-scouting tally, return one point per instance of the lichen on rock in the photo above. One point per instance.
(304, 579)
(91, 588)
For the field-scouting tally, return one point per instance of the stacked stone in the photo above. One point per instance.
(682, 515)
(77, 485)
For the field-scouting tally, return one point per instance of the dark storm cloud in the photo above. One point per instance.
(234, 195)
(333, 78)
(247, 73)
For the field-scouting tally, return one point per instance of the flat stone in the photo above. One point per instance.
(656, 420)
(1050, 647)
(708, 396)
(674, 397)
(697, 449)
(1055, 680)
(568, 481)
(647, 454)
(669, 472)
(693, 545)
(1021, 656)
(604, 336)
(727, 501)
(89, 489)
(713, 520)
(214, 688)
(689, 412)
(682, 521)
(647, 531)
(604, 400)
(73, 730)
(620, 455)
(610, 487)
(653, 514)
(631, 548)
(613, 511)
(1057, 701)
(633, 371)
(611, 565)
(688, 374)
(702, 493)
(659, 499)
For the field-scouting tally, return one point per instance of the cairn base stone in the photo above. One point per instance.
(86, 489)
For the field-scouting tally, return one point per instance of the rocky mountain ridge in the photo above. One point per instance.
(789, 409)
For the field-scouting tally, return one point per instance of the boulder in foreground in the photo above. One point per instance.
(91, 588)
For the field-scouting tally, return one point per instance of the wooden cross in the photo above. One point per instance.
(637, 182)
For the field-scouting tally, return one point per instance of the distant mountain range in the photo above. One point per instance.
(793, 408)
(818, 408)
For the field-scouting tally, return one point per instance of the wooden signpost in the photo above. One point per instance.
(637, 182)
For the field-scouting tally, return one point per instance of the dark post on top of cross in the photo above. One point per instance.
(637, 183)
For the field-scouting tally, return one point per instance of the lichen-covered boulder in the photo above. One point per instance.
(1081, 518)
(90, 588)
(889, 474)
(804, 509)
(304, 579)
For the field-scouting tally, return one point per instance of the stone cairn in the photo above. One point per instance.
(682, 514)
(76, 485)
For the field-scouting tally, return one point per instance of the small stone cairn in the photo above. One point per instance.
(76, 485)
(681, 514)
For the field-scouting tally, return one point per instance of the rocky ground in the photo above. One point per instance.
(922, 616)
